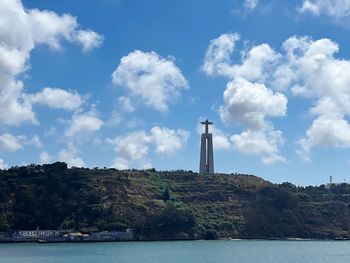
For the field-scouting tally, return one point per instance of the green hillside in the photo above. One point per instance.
(169, 204)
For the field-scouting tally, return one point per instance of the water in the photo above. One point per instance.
(240, 251)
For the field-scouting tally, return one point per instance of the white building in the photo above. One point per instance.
(38, 233)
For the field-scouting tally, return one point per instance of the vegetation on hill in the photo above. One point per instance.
(169, 204)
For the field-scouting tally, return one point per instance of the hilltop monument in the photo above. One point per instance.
(206, 165)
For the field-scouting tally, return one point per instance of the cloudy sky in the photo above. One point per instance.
(124, 84)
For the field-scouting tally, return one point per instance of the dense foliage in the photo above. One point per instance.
(169, 204)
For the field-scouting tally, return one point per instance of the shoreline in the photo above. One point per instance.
(174, 240)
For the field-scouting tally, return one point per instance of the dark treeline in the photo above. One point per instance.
(169, 204)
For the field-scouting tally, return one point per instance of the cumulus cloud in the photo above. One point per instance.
(14, 107)
(313, 71)
(168, 141)
(11, 143)
(220, 140)
(154, 80)
(255, 63)
(249, 103)
(133, 148)
(115, 119)
(35, 141)
(265, 142)
(250, 4)
(218, 55)
(306, 68)
(126, 104)
(51, 132)
(325, 131)
(22, 30)
(121, 163)
(337, 9)
(247, 99)
(44, 157)
(83, 124)
(69, 155)
(57, 98)
(3, 165)
(89, 39)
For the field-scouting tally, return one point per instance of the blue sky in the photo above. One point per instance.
(124, 84)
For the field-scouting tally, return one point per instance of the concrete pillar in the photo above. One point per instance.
(206, 155)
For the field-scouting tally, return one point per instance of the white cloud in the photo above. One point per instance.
(249, 103)
(14, 107)
(3, 165)
(255, 65)
(130, 147)
(306, 68)
(47, 27)
(115, 119)
(265, 142)
(89, 39)
(247, 100)
(325, 132)
(45, 157)
(337, 9)
(250, 4)
(57, 98)
(168, 141)
(217, 57)
(35, 141)
(312, 71)
(83, 124)
(133, 148)
(21, 31)
(220, 140)
(120, 163)
(68, 155)
(51, 132)
(11, 143)
(132, 123)
(155, 80)
(126, 104)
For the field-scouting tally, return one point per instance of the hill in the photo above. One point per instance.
(169, 204)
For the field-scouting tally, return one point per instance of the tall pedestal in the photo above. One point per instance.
(206, 157)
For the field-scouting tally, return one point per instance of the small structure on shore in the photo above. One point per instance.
(47, 236)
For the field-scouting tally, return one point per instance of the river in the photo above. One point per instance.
(240, 251)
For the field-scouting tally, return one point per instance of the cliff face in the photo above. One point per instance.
(169, 205)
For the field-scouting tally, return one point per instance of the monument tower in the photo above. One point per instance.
(206, 165)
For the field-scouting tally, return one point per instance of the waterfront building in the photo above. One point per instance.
(38, 233)
(112, 236)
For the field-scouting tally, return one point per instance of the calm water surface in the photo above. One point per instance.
(240, 251)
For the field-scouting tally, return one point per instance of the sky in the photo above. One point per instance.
(125, 83)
